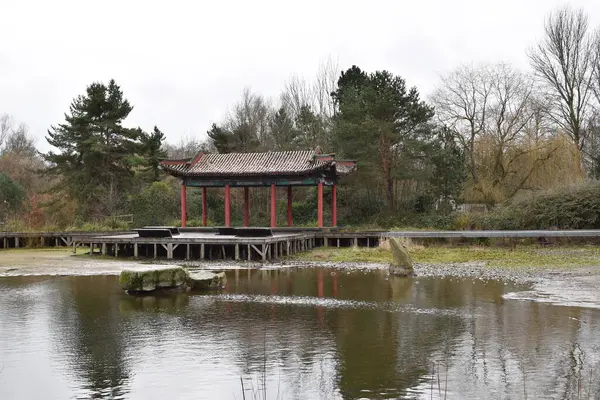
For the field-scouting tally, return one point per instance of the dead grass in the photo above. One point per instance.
(523, 256)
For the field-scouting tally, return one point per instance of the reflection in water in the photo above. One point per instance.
(293, 333)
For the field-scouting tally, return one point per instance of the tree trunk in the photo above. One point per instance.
(384, 152)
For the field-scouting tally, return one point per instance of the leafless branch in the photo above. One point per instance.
(564, 61)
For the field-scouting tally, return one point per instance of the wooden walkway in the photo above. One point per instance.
(206, 244)
(576, 233)
(203, 246)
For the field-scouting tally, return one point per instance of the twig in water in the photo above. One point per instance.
(438, 380)
(243, 391)
(589, 396)
(265, 364)
(432, 378)
(524, 380)
(446, 384)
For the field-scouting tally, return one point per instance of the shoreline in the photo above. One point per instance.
(62, 262)
(575, 286)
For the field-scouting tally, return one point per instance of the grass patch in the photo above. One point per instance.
(346, 254)
(524, 256)
(37, 250)
(81, 251)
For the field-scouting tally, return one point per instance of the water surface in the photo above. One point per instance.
(293, 334)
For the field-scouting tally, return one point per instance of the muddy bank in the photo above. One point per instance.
(467, 270)
(63, 262)
(58, 262)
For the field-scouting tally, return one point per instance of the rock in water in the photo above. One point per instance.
(152, 278)
(402, 262)
(206, 280)
(157, 277)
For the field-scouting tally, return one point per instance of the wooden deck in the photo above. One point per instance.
(201, 246)
(207, 244)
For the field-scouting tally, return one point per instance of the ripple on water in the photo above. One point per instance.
(325, 302)
(579, 291)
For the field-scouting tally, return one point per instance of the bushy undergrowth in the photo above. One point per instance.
(109, 224)
(570, 207)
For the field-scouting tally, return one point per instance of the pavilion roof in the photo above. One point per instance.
(257, 164)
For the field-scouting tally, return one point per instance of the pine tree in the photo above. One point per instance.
(449, 168)
(221, 138)
(284, 134)
(380, 122)
(152, 151)
(95, 152)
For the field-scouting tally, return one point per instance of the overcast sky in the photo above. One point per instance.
(182, 63)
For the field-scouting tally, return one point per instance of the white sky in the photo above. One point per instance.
(182, 63)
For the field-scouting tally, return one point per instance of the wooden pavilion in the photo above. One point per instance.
(270, 169)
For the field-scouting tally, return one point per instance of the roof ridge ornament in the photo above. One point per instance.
(196, 158)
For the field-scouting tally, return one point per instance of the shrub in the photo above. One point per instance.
(570, 207)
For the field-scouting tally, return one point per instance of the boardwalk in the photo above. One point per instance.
(201, 244)
(576, 233)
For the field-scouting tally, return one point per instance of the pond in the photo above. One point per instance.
(296, 333)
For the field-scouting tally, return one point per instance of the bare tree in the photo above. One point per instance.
(325, 84)
(187, 147)
(511, 110)
(6, 126)
(249, 122)
(564, 61)
(500, 123)
(299, 93)
(461, 102)
(20, 142)
(596, 67)
(296, 94)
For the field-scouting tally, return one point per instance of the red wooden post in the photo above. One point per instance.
(333, 205)
(204, 206)
(183, 205)
(320, 204)
(273, 207)
(246, 207)
(289, 206)
(227, 205)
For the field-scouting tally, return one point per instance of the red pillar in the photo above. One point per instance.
(183, 205)
(320, 204)
(273, 207)
(246, 207)
(204, 206)
(333, 205)
(227, 205)
(289, 206)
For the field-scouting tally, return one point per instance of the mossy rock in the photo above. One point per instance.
(402, 264)
(152, 278)
(206, 280)
(159, 277)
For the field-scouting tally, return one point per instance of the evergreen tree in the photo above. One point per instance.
(380, 123)
(95, 152)
(11, 195)
(283, 132)
(312, 129)
(221, 138)
(153, 153)
(449, 168)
